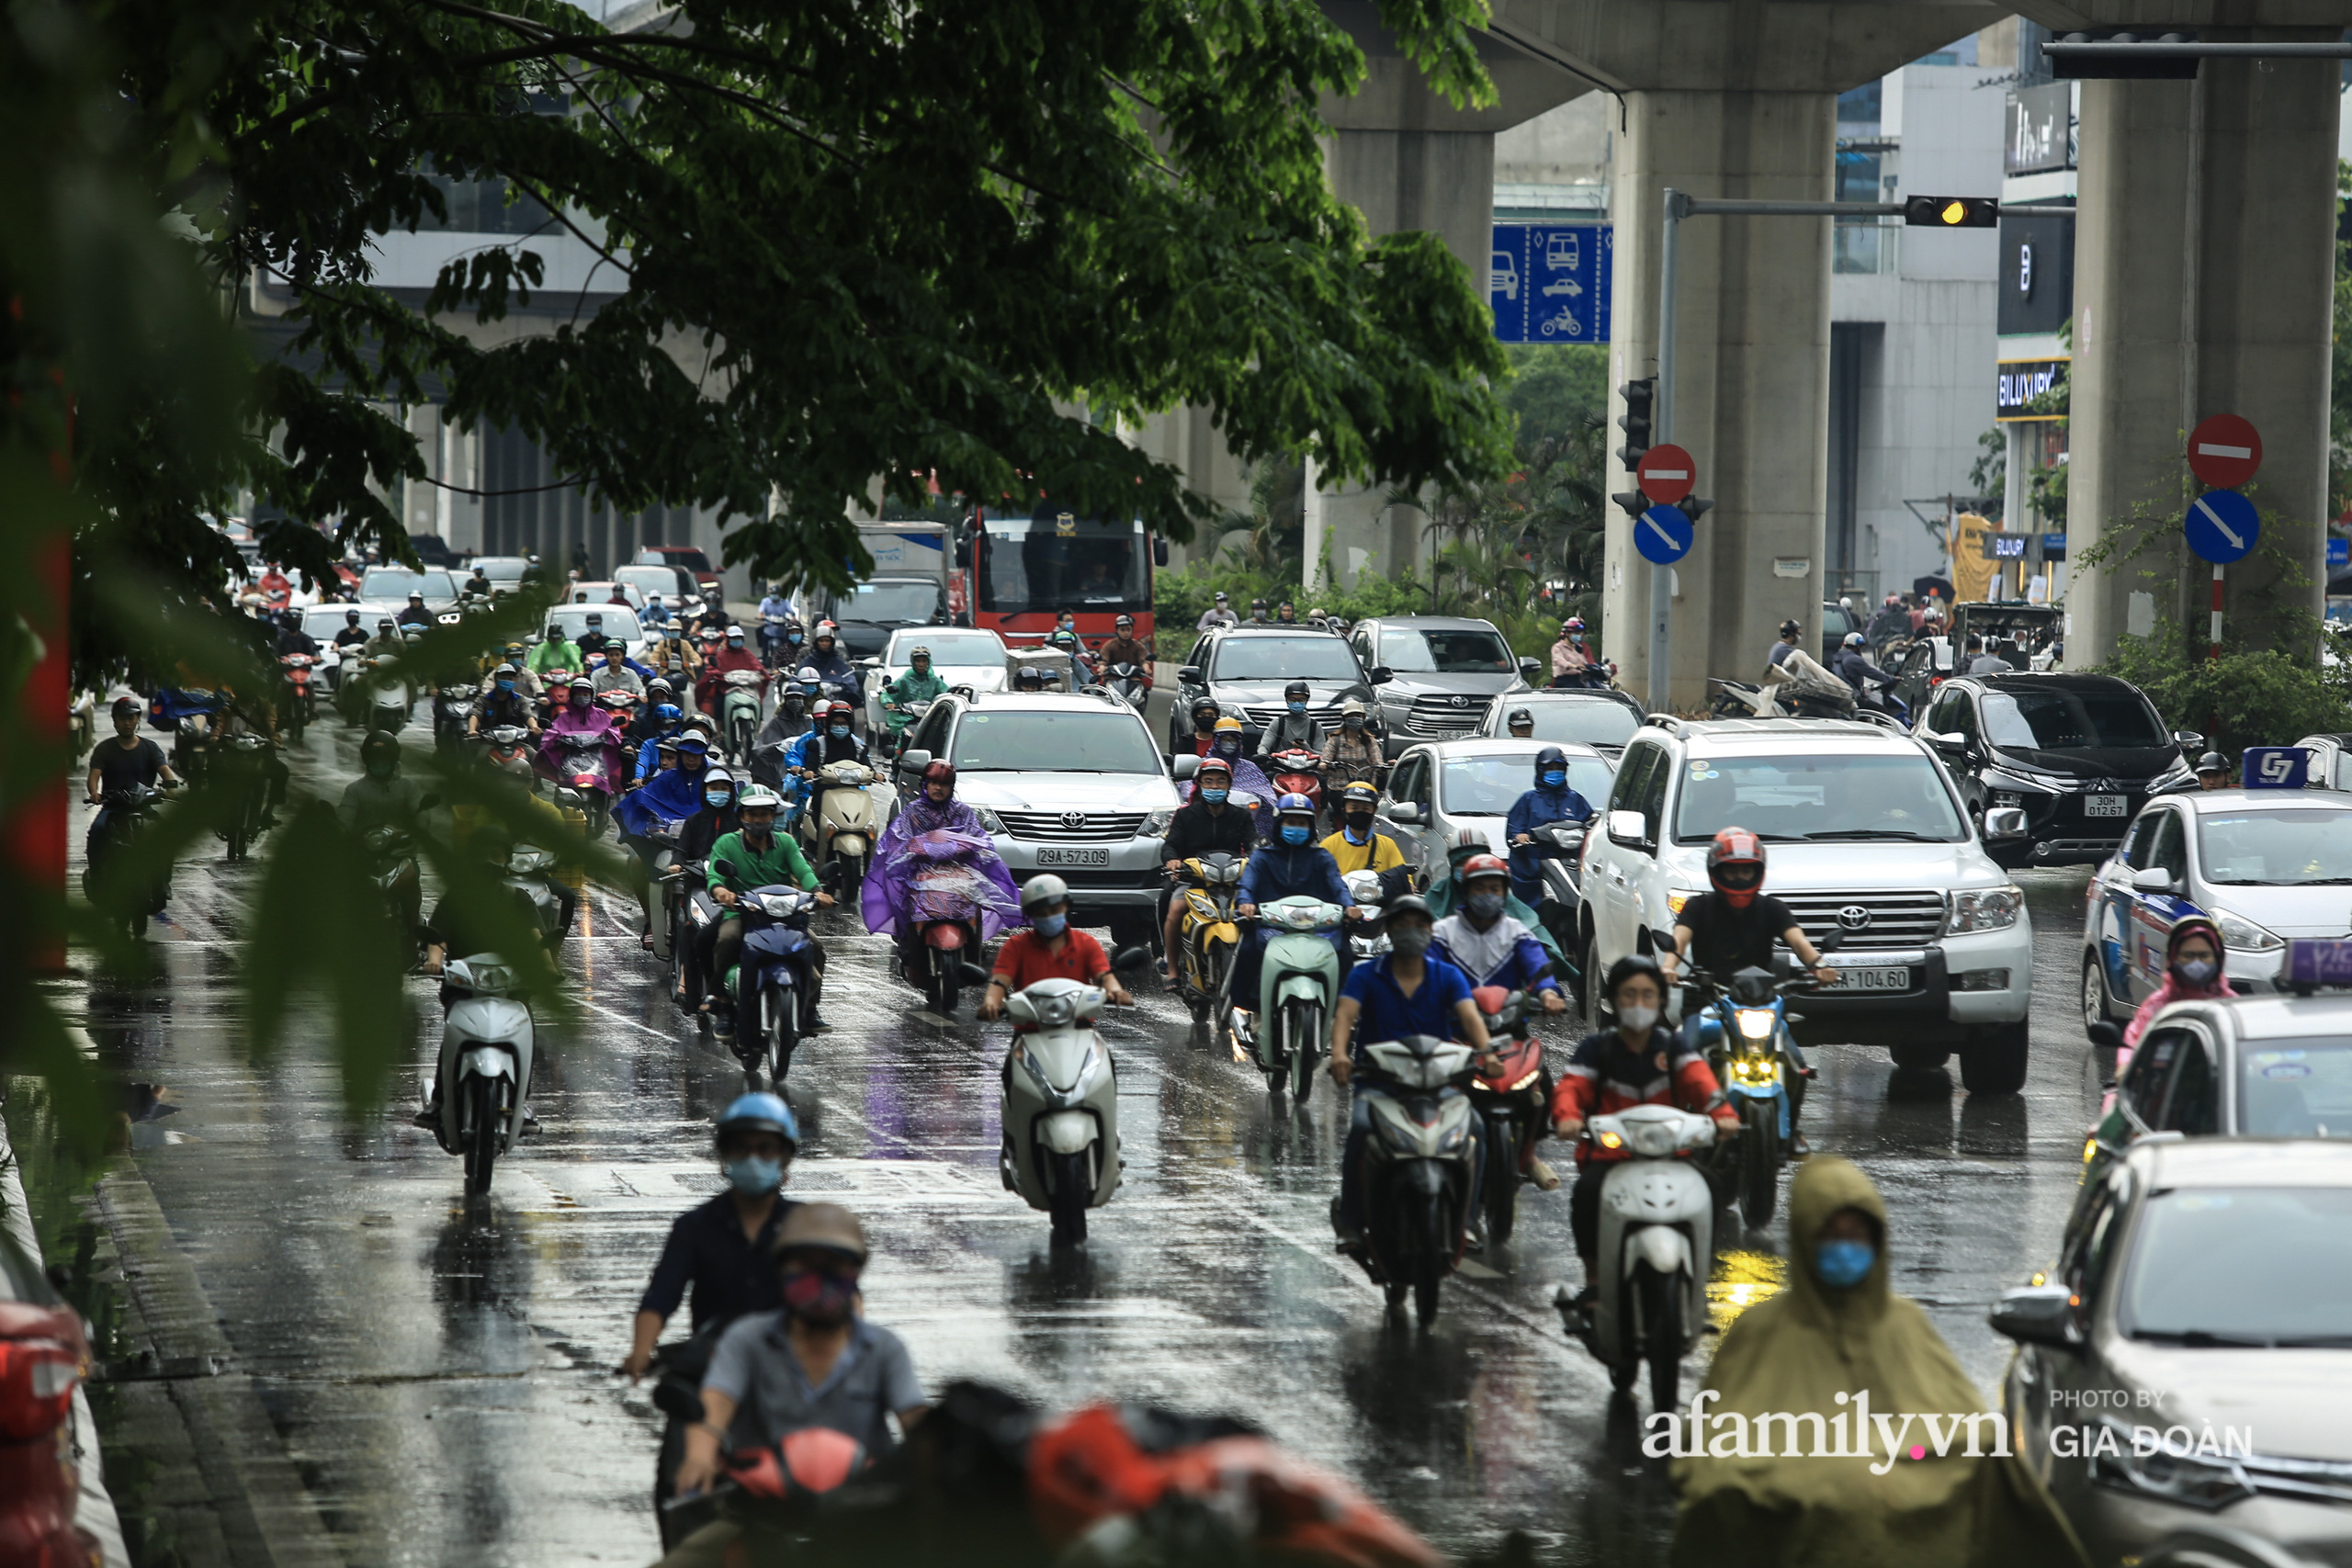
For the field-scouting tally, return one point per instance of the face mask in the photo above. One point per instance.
(1411, 941)
(2198, 972)
(1842, 1265)
(1294, 833)
(735, 644)
(1354, 722)
(754, 1176)
(1555, 779)
(1360, 827)
(717, 799)
(1229, 746)
(1638, 1018)
(758, 831)
(506, 685)
(1215, 797)
(1051, 925)
(1486, 905)
(839, 732)
(1298, 708)
(818, 1298)
(382, 768)
(1205, 726)
(792, 638)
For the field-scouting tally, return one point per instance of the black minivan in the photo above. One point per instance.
(2080, 753)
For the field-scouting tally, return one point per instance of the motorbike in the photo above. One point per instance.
(1795, 699)
(672, 879)
(300, 669)
(1297, 984)
(392, 865)
(130, 813)
(242, 762)
(82, 724)
(584, 766)
(772, 646)
(1512, 1097)
(896, 719)
(777, 939)
(1559, 854)
(1125, 683)
(1208, 936)
(553, 684)
(532, 877)
(1366, 939)
(738, 712)
(1745, 1032)
(486, 1038)
(1656, 1242)
(849, 821)
(507, 743)
(452, 707)
(1061, 1103)
(945, 892)
(1422, 1167)
(622, 704)
(1599, 677)
(1296, 771)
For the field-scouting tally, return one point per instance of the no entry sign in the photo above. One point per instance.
(1667, 473)
(2224, 451)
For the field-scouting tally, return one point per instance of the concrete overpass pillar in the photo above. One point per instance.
(2204, 278)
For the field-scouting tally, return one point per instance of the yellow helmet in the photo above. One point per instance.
(1228, 723)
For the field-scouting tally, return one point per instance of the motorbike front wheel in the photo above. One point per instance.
(1502, 1178)
(853, 878)
(481, 1152)
(1072, 1187)
(784, 1031)
(1305, 1024)
(1431, 1258)
(1661, 1334)
(1760, 1162)
(940, 992)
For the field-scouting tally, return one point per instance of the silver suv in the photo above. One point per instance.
(1436, 674)
(1066, 783)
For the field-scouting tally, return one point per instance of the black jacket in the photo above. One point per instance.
(1195, 832)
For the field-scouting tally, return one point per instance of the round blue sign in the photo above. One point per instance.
(1663, 535)
(2222, 526)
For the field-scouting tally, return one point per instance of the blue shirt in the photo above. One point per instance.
(1389, 1014)
(1283, 871)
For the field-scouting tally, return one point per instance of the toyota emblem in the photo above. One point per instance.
(1854, 917)
(1460, 701)
(1074, 821)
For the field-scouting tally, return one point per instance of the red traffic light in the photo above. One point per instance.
(1952, 211)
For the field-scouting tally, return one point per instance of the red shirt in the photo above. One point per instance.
(1025, 960)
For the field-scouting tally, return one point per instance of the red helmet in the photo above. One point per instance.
(1478, 866)
(1729, 859)
(940, 771)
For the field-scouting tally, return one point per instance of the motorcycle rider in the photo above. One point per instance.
(664, 739)
(1552, 800)
(1218, 614)
(128, 760)
(580, 716)
(1569, 659)
(1639, 1061)
(1445, 895)
(831, 741)
(1353, 754)
(783, 729)
(1247, 776)
(1051, 949)
(386, 643)
(591, 637)
(2212, 772)
(352, 634)
(1520, 723)
(825, 657)
(1853, 666)
(1124, 649)
(380, 796)
(1285, 614)
(1732, 928)
(1890, 623)
(1294, 728)
(1359, 845)
(1205, 825)
(504, 703)
(479, 585)
(415, 614)
(614, 675)
(291, 637)
(1778, 654)
(1205, 713)
(1406, 991)
(515, 655)
(655, 614)
(756, 855)
(1491, 945)
(1258, 613)
(731, 657)
(276, 588)
(649, 720)
(556, 651)
(919, 684)
(1293, 867)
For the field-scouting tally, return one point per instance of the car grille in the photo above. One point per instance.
(1072, 828)
(1260, 718)
(1897, 920)
(1437, 716)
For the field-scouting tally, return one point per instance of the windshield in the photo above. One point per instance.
(1491, 785)
(649, 578)
(2262, 1265)
(1090, 739)
(1057, 561)
(2303, 1091)
(893, 600)
(502, 569)
(1318, 657)
(1791, 797)
(322, 621)
(1599, 722)
(693, 560)
(2303, 847)
(390, 584)
(619, 621)
(2061, 718)
(1477, 652)
(949, 650)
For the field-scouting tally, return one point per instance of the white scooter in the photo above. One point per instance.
(855, 808)
(1061, 1103)
(1656, 1245)
(485, 1064)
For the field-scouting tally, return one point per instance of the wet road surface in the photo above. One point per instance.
(441, 1373)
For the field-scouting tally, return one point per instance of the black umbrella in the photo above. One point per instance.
(1922, 586)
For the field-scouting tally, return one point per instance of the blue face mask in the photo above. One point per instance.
(1298, 708)
(1051, 925)
(1295, 833)
(717, 799)
(754, 1176)
(1555, 779)
(840, 731)
(792, 637)
(506, 685)
(1842, 1265)
(1229, 746)
(1215, 797)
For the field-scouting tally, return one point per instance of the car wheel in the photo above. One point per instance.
(2095, 1007)
(1994, 1060)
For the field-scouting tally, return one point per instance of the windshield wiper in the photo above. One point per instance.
(2205, 1340)
(1880, 833)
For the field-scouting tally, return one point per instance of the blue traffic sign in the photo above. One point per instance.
(2222, 526)
(2339, 552)
(1663, 535)
(1551, 282)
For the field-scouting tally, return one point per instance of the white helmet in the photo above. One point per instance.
(756, 796)
(1043, 888)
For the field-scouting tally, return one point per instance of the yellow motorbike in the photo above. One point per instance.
(1208, 936)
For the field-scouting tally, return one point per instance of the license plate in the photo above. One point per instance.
(2103, 805)
(1074, 857)
(1898, 980)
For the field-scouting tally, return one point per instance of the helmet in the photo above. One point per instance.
(1852, 639)
(1228, 724)
(826, 1227)
(1790, 628)
(1352, 709)
(1316, 614)
(703, 722)
(1124, 619)
(1063, 640)
(583, 684)
(1519, 717)
(1204, 701)
(2211, 763)
(827, 628)
(1467, 841)
(512, 650)
(1734, 848)
(415, 597)
(760, 1113)
(665, 713)
(1410, 904)
(1482, 865)
(1297, 691)
(1547, 759)
(378, 744)
(352, 615)
(1213, 762)
(1360, 794)
(940, 771)
(1293, 805)
(918, 651)
(667, 746)
(1256, 605)
(504, 672)
(693, 740)
(757, 797)
(127, 706)
(658, 688)
(1573, 624)
(1029, 678)
(1043, 888)
(1221, 597)
(383, 621)
(1626, 968)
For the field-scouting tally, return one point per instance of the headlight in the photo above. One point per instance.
(1155, 825)
(1611, 1141)
(1757, 1022)
(1987, 908)
(1679, 896)
(1455, 1138)
(2243, 934)
(2211, 1483)
(990, 821)
(2011, 779)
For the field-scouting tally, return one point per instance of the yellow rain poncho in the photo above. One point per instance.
(1813, 1351)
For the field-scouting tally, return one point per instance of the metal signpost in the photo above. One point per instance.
(2222, 526)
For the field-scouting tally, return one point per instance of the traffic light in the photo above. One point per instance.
(1694, 506)
(1952, 211)
(1640, 397)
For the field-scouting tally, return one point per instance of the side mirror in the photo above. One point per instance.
(1528, 669)
(1946, 740)
(1628, 828)
(2106, 1033)
(2005, 822)
(1159, 552)
(1185, 766)
(913, 761)
(1131, 957)
(1190, 674)
(871, 662)
(2187, 739)
(1380, 675)
(2152, 879)
(1405, 812)
(2040, 1315)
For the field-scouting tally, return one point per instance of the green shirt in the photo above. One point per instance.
(557, 654)
(736, 865)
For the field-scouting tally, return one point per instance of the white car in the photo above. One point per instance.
(1437, 790)
(961, 656)
(1864, 835)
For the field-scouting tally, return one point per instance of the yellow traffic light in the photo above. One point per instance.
(1954, 213)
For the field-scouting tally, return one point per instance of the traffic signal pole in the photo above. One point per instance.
(1662, 428)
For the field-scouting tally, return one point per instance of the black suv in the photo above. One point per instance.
(1245, 668)
(2080, 753)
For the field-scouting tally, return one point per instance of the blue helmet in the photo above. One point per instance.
(1294, 802)
(761, 1112)
(666, 714)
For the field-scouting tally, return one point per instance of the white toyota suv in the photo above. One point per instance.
(1865, 835)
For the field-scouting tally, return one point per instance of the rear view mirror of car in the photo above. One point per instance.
(1946, 741)
(1131, 958)
(1185, 766)
(913, 761)
(2105, 1032)
(1189, 674)
(1403, 811)
(1380, 674)
(2040, 1315)
(1628, 828)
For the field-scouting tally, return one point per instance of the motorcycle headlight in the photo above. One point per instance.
(1155, 825)
(1987, 908)
(990, 821)
(2244, 935)
(1455, 1138)
(1757, 1022)
(2211, 1483)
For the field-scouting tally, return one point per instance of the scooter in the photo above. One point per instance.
(583, 766)
(1366, 938)
(452, 707)
(392, 865)
(243, 763)
(1208, 936)
(943, 927)
(130, 813)
(1656, 1242)
(1512, 1096)
(299, 670)
(1125, 683)
(1559, 852)
(670, 877)
(775, 940)
(1297, 984)
(1061, 1103)
(530, 876)
(738, 712)
(508, 744)
(486, 1038)
(1296, 771)
(772, 650)
(1745, 1032)
(1422, 1167)
(896, 719)
(842, 833)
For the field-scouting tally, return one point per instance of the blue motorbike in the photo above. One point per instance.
(1742, 1030)
(779, 961)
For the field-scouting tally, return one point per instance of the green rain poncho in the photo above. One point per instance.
(1803, 1351)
